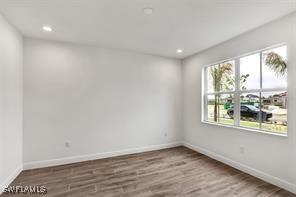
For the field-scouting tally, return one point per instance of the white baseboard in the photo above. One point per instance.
(247, 169)
(10, 178)
(68, 160)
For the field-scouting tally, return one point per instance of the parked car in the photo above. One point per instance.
(250, 111)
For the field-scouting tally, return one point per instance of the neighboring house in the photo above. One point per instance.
(276, 100)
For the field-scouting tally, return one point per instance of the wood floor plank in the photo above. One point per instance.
(174, 172)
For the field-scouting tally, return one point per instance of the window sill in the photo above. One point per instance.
(246, 129)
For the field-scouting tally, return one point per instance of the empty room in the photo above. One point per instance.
(148, 98)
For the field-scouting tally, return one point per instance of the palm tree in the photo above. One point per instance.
(230, 82)
(276, 63)
(220, 74)
(222, 80)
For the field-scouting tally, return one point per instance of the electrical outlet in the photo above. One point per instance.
(67, 144)
(242, 150)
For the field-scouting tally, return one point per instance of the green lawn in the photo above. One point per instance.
(282, 129)
(224, 119)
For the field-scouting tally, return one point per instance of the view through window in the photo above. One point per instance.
(249, 91)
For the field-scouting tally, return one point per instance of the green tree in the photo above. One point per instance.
(276, 63)
(223, 79)
(219, 74)
(230, 82)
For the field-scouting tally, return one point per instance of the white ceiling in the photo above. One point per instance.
(192, 25)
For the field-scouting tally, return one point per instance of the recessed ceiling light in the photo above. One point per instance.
(47, 28)
(179, 51)
(148, 11)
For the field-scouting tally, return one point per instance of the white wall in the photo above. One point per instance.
(10, 102)
(104, 100)
(273, 155)
(100, 100)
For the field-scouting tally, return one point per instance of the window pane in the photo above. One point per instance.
(221, 77)
(220, 108)
(227, 76)
(211, 104)
(250, 72)
(226, 109)
(249, 110)
(211, 73)
(274, 111)
(274, 68)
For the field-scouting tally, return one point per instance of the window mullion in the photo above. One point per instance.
(260, 94)
(205, 95)
(236, 93)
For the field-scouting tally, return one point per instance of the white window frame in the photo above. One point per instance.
(237, 92)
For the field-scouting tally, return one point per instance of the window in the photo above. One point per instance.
(248, 91)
